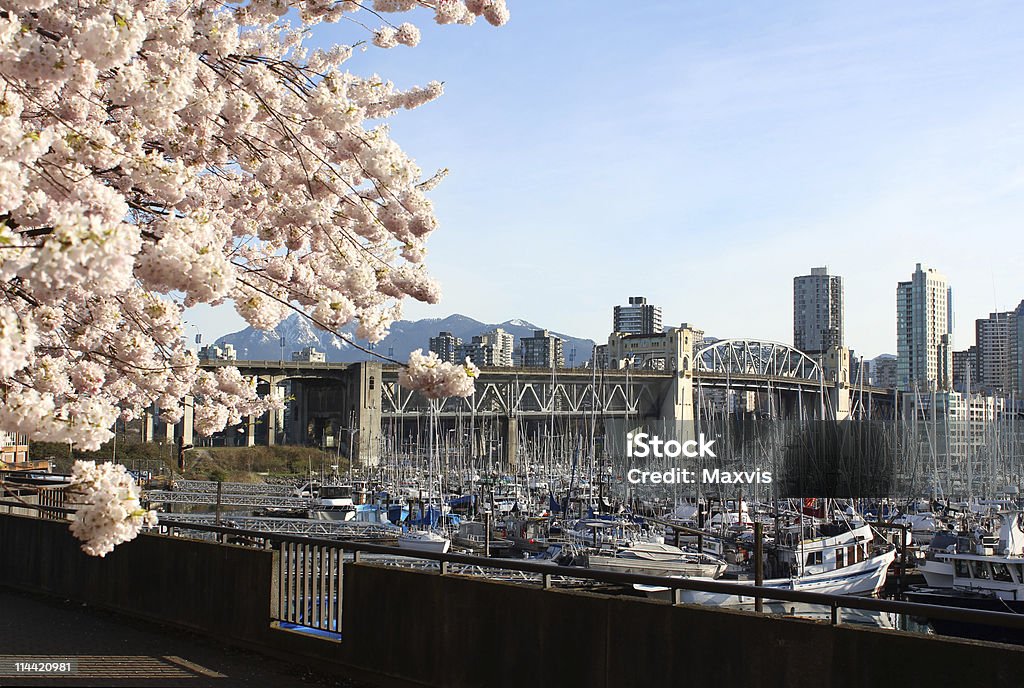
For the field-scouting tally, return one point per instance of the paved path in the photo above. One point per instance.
(112, 650)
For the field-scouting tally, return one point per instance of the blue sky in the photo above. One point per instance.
(704, 153)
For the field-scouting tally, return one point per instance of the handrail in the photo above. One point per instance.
(14, 504)
(1006, 619)
(1002, 619)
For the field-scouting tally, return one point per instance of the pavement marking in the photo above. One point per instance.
(192, 666)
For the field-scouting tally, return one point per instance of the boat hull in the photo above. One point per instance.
(656, 568)
(937, 574)
(967, 600)
(438, 545)
(864, 578)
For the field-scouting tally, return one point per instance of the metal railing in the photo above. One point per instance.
(549, 572)
(228, 499)
(350, 530)
(309, 585)
(280, 490)
(303, 563)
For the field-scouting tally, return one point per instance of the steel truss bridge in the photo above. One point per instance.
(366, 396)
(537, 393)
(752, 365)
(741, 365)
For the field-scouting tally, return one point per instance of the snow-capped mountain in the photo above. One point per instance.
(405, 336)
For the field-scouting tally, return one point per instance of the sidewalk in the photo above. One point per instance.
(112, 650)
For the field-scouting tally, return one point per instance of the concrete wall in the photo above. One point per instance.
(457, 631)
(202, 586)
(405, 627)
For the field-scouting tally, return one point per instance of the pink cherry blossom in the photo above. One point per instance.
(436, 379)
(108, 509)
(157, 154)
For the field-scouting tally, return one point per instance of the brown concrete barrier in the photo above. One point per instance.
(202, 586)
(405, 627)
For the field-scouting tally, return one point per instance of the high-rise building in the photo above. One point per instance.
(639, 317)
(818, 311)
(504, 344)
(965, 370)
(924, 331)
(445, 345)
(212, 352)
(309, 354)
(490, 349)
(1018, 350)
(956, 430)
(542, 350)
(996, 342)
(883, 371)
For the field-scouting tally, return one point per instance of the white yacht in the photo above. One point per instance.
(986, 577)
(841, 564)
(656, 559)
(424, 541)
(335, 503)
(989, 566)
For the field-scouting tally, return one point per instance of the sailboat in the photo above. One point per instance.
(428, 539)
(424, 541)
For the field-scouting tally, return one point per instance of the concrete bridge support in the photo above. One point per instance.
(510, 438)
(836, 369)
(677, 414)
(147, 425)
(363, 394)
(188, 421)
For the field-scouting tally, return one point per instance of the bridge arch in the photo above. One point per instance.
(757, 357)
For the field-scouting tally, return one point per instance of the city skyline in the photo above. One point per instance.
(211, 334)
(738, 149)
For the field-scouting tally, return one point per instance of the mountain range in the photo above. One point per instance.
(404, 337)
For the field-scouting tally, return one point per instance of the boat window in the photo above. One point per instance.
(1018, 569)
(814, 559)
(1001, 572)
(851, 551)
(980, 569)
(961, 569)
(840, 563)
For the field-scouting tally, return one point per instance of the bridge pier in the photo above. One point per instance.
(271, 427)
(836, 369)
(677, 415)
(147, 425)
(510, 431)
(188, 419)
(363, 395)
(250, 431)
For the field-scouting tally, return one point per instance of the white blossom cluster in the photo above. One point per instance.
(435, 378)
(157, 154)
(108, 509)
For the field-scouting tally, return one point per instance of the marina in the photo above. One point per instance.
(835, 547)
(714, 377)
